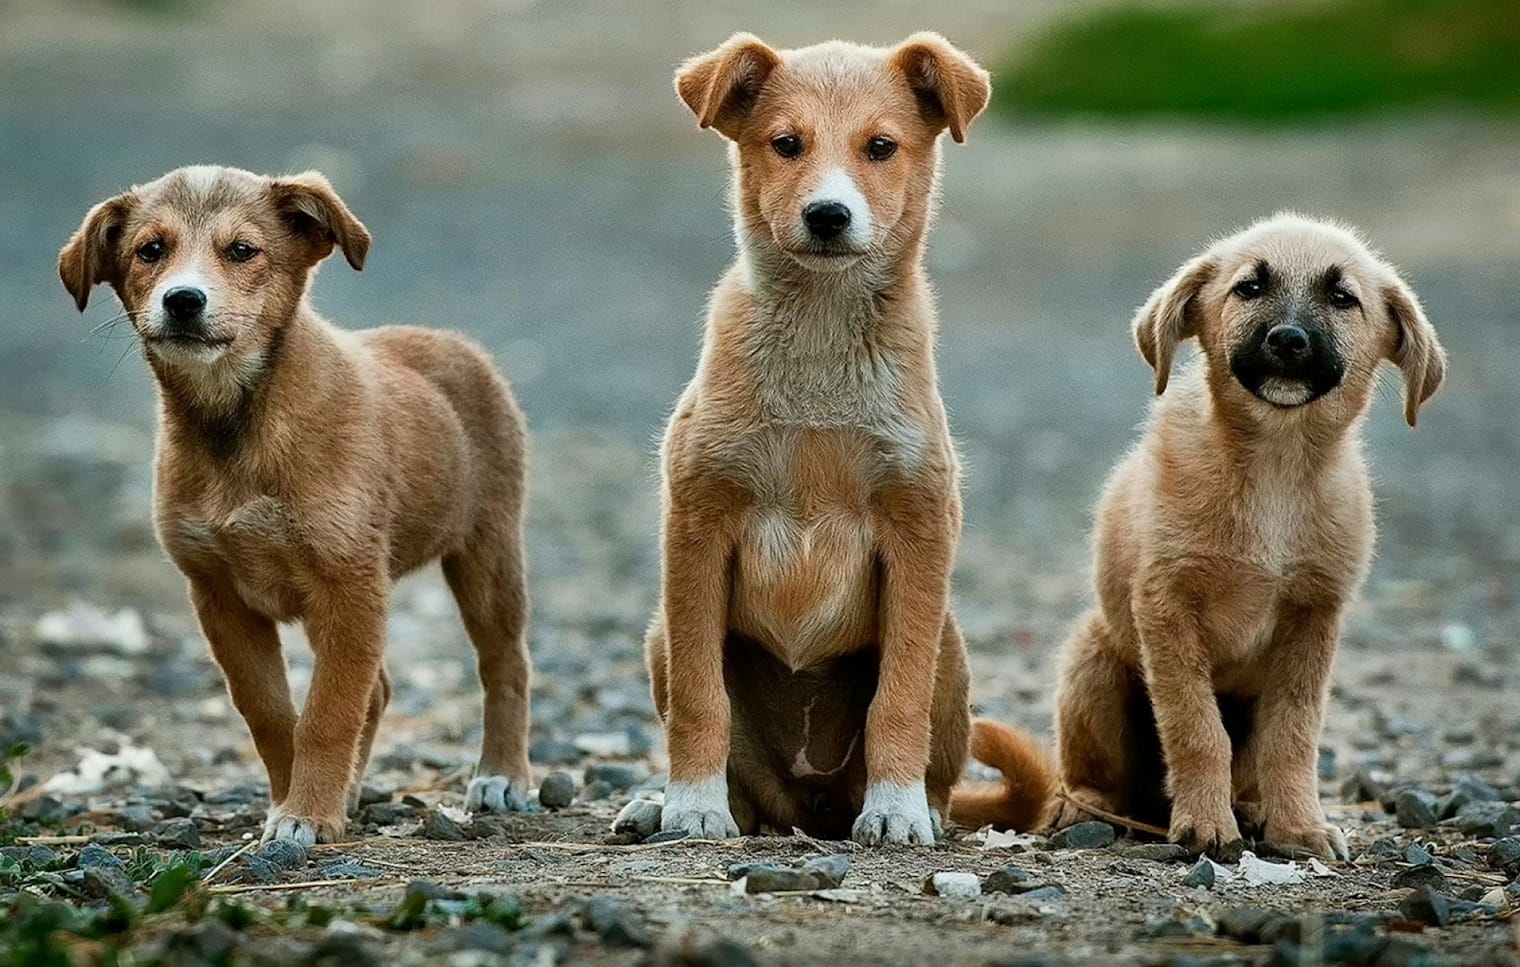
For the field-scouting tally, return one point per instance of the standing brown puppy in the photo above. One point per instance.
(1230, 540)
(804, 660)
(300, 469)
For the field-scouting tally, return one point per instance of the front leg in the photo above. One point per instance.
(1289, 717)
(1179, 679)
(346, 627)
(916, 533)
(698, 562)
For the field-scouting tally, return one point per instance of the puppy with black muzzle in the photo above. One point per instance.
(1229, 542)
(300, 469)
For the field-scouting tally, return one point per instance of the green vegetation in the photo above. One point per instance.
(1271, 62)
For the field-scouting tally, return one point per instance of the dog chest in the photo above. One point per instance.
(257, 543)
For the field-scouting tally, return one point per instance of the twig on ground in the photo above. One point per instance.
(303, 885)
(228, 860)
(633, 848)
(71, 840)
(1114, 818)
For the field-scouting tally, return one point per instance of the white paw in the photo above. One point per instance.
(699, 809)
(494, 794)
(895, 815)
(280, 825)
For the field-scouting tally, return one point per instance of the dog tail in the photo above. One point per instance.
(1027, 788)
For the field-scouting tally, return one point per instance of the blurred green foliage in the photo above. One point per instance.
(1271, 62)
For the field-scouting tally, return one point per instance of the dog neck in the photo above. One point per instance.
(1276, 444)
(830, 348)
(218, 407)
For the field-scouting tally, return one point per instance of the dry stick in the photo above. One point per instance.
(226, 862)
(75, 840)
(681, 879)
(305, 884)
(634, 848)
(1114, 818)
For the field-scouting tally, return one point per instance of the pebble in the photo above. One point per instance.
(207, 941)
(387, 813)
(1416, 877)
(615, 774)
(701, 948)
(178, 834)
(1156, 852)
(596, 791)
(640, 818)
(1088, 835)
(1426, 906)
(437, 825)
(1173, 926)
(1415, 809)
(1008, 879)
(1202, 874)
(557, 790)
(1416, 855)
(282, 854)
(483, 937)
(555, 752)
(347, 868)
(1048, 891)
(1494, 819)
(103, 873)
(42, 857)
(766, 877)
(1504, 855)
(1362, 787)
(615, 924)
(953, 884)
(371, 795)
(136, 818)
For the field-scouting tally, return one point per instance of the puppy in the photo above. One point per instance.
(300, 469)
(1231, 539)
(804, 662)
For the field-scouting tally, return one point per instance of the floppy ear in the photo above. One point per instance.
(315, 212)
(93, 255)
(721, 85)
(1170, 316)
(1416, 351)
(952, 88)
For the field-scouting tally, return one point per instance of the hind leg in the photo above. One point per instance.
(489, 583)
(1092, 727)
(379, 698)
(951, 723)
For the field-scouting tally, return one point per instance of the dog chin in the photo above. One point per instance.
(188, 352)
(1285, 393)
(833, 262)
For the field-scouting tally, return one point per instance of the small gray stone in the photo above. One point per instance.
(1417, 855)
(1415, 809)
(615, 774)
(347, 868)
(479, 936)
(136, 819)
(1504, 855)
(557, 790)
(41, 857)
(1426, 906)
(595, 791)
(775, 878)
(953, 884)
(1202, 874)
(555, 752)
(282, 854)
(1156, 852)
(1494, 819)
(1008, 879)
(387, 813)
(830, 871)
(178, 834)
(1089, 835)
(437, 825)
(1416, 877)
(1047, 892)
(371, 795)
(1177, 927)
(640, 818)
(615, 924)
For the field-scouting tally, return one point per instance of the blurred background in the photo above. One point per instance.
(531, 179)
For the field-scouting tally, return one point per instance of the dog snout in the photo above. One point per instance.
(1288, 342)
(826, 220)
(184, 303)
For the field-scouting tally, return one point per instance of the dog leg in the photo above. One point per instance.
(951, 728)
(1194, 742)
(1290, 715)
(1092, 727)
(698, 561)
(347, 632)
(247, 647)
(916, 549)
(378, 700)
(489, 583)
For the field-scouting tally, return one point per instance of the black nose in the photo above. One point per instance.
(826, 219)
(1288, 342)
(184, 303)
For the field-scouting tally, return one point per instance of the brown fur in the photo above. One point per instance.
(300, 469)
(805, 649)
(1228, 544)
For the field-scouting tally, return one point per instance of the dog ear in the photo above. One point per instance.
(952, 89)
(1170, 316)
(721, 85)
(315, 212)
(1416, 351)
(93, 254)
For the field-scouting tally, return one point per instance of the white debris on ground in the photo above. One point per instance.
(98, 771)
(84, 625)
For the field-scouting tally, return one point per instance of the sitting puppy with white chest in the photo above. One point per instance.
(1230, 541)
(804, 661)
(300, 469)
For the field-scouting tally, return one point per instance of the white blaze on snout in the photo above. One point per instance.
(837, 186)
(189, 277)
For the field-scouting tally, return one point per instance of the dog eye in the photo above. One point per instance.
(241, 251)
(151, 251)
(1249, 289)
(880, 149)
(1342, 299)
(787, 145)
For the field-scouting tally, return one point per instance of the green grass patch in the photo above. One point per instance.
(1273, 62)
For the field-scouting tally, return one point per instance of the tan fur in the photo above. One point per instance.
(300, 469)
(1228, 544)
(811, 503)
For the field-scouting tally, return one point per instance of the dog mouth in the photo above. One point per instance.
(180, 340)
(824, 259)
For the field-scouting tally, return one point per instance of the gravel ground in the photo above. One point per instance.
(561, 211)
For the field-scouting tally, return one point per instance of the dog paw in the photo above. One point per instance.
(1218, 836)
(306, 830)
(895, 815)
(495, 794)
(1323, 841)
(699, 809)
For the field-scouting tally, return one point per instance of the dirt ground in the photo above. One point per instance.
(548, 196)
